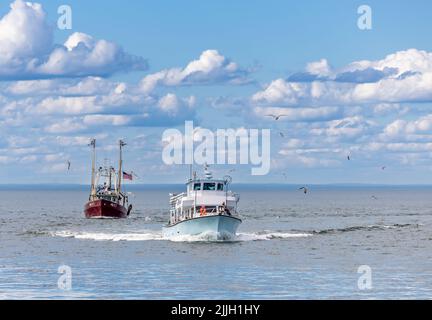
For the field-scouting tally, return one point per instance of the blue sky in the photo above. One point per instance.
(124, 71)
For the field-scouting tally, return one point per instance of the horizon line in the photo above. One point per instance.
(239, 183)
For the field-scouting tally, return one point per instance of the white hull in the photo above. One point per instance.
(222, 227)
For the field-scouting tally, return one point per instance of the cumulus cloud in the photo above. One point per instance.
(319, 68)
(350, 127)
(210, 68)
(65, 126)
(404, 76)
(100, 120)
(310, 157)
(409, 130)
(27, 50)
(172, 105)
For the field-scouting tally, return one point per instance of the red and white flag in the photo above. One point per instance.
(127, 176)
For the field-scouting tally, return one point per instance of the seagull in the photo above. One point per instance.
(349, 158)
(285, 175)
(305, 190)
(383, 168)
(276, 117)
(69, 165)
(282, 134)
(374, 197)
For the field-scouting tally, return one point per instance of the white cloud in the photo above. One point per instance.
(77, 141)
(405, 76)
(29, 159)
(347, 128)
(100, 120)
(390, 108)
(24, 35)
(299, 114)
(210, 68)
(65, 126)
(54, 168)
(27, 50)
(319, 68)
(171, 104)
(68, 105)
(418, 129)
(304, 157)
(54, 157)
(399, 147)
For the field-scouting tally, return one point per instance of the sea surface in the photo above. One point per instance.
(290, 246)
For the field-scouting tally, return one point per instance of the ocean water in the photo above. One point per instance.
(290, 246)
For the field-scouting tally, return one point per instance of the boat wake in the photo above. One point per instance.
(152, 235)
(157, 236)
(262, 236)
(364, 228)
(108, 236)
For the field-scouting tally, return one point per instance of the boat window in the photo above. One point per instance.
(209, 186)
(220, 187)
(197, 186)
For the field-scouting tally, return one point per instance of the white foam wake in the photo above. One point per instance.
(157, 236)
(108, 236)
(270, 236)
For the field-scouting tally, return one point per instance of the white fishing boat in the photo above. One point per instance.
(207, 208)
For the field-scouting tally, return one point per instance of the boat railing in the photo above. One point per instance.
(211, 211)
(175, 197)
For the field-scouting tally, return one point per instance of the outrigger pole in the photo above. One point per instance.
(120, 174)
(93, 188)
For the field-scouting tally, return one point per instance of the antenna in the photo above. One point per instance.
(207, 172)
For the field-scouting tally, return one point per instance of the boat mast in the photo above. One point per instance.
(110, 177)
(93, 189)
(120, 172)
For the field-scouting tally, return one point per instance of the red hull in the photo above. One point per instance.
(105, 209)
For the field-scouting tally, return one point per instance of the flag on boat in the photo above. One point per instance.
(127, 176)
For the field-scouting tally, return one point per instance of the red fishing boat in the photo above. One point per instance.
(107, 200)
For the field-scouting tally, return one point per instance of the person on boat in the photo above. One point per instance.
(224, 209)
(203, 211)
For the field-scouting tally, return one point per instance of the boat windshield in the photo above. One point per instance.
(197, 186)
(209, 186)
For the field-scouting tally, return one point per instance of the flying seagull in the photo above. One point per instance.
(349, 158)
(383, 168)
(374, 197)
(69, 165)
(276, 117)
(305, 190)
